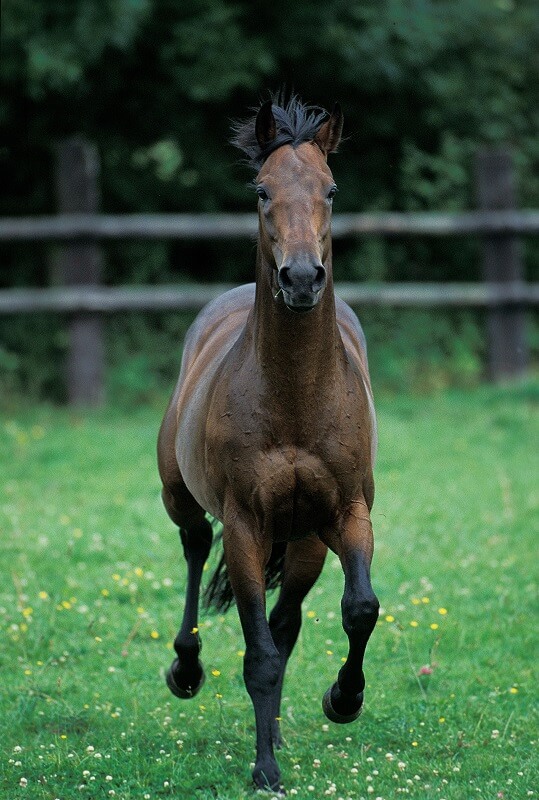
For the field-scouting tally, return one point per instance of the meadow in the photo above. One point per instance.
(91, 597)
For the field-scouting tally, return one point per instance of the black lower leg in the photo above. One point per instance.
(345, 698)
(284, 626)
(186, 675)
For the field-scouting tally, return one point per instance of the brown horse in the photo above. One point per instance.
(271, 430)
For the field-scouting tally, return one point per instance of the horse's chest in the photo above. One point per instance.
(291, 492)
(297, 495)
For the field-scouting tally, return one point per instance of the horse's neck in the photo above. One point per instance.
(299, 354)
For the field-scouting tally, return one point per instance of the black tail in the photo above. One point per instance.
(219, 592)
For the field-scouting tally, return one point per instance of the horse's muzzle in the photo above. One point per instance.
(302, 282)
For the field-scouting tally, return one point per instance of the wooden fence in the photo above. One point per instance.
(80, 229)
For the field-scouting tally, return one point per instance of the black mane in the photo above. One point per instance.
(296, 123)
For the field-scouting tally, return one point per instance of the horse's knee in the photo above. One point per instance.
(359, 614)
(261, 671)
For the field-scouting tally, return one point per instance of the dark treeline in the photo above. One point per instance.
(155, 83)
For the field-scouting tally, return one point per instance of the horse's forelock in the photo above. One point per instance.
(295, 122)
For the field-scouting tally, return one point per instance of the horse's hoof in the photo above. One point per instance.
(179, 691)
(334, 716)
(268, 779)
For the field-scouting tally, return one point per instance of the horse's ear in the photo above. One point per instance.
(265, 127)
(329, 135)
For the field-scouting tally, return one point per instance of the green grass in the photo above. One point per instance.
(91, 597)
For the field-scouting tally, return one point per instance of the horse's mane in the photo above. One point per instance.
(295, 121)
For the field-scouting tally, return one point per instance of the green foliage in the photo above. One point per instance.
(424, 351)
(95, 583)
(423, 83)
(53, 45)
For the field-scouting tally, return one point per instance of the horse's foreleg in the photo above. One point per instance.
(353, 543)
(186, 676)
(303, 564)
(246, 557)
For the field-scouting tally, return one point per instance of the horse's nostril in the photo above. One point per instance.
(320, 279)
(284, 278)
(302, 279)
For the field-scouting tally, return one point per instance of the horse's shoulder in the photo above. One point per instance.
(355, 345)
(353, 339)
(350, 328)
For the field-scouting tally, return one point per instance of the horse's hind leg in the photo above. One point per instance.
(186, 676)
(303, 563)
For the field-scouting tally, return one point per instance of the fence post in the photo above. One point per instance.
(80, 264)
(502, 263)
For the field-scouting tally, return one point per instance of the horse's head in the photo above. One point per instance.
(295, 188)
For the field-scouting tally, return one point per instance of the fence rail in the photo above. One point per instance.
(77, 227)
(81, 230)
(109, 300)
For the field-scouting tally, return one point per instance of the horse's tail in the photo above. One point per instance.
(219, 594)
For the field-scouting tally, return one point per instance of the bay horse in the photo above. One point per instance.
(271, 429)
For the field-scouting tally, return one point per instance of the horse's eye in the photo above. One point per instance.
(261, 192)
(332, 192)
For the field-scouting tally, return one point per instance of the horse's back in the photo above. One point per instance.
(217, 327)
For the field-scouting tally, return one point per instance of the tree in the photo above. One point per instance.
(155, 83)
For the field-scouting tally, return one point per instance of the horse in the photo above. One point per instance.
(271, 430)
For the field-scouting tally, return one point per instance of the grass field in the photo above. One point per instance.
(91, 596)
